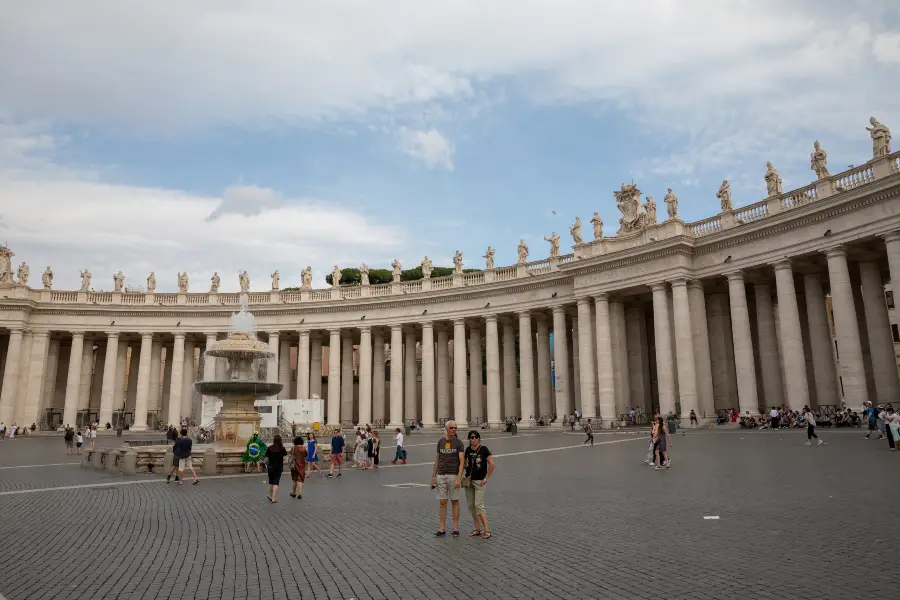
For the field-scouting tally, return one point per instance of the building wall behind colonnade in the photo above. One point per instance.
(778, 302)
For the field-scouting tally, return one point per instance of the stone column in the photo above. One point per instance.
(793, 359)
(492, 359)
(476, 395)
(768, 343)
(143, 384)
(662, 331)
(561, 360)
(334, 378)
(284, 369)
(443, 374)
(510, 401)
(396, 376)
(24, 367)
(745, 369)
(526, 367)
(365, 375)
(684, 348)
(346, 376)
(703, 366)
(411, 400)
(209, 368)
(11, 376)
(165, 386)
(575, 366)
(621, 376)
(544, 383)
(187, 407)
(460, 400)
(853, 374)
(272, 363)
(303, 368)
(153, 403)
(87, 372)
(881, 343)
(51, 372)
(96, 379)
(378, 409)
(107, 393)
(73, 381)
(40, 348)
(606, 391)
(176, 380)
(315, 367)
(428, 395)
(587, 367)
(131, 383)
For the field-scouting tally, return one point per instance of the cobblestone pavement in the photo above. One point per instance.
(794, 522)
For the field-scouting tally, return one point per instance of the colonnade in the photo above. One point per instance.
(684, 345)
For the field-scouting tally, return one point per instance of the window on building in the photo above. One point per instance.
(889, 298)
(896, 331)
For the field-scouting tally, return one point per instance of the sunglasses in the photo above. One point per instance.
(473, 437)
(451, 428)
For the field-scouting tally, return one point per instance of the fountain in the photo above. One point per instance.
(238, 417)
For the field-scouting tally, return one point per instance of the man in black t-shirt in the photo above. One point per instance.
(69, 437)
(447, 475)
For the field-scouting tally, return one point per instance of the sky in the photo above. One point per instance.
(230, 135)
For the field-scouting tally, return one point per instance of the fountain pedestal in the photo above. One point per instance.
(237, 421)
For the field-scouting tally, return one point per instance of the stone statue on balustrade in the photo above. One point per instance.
(395, 276)
(364, 274)
(6, 275)
(554, 244)
(183, 283)
(214, 283)
(773, 181)
(818, 161)
(276, 279)
(650, 209)
(881, 138)
(575, 231)
(628, 200)
(671, 201)
(151, 283)
(489, 258)
(85, 280)
(597, 222)
(458, 263)
(335, 276)
(118, 281)
(522, 250)
(724, 195)
(244, 280)
(23, 273)
(306, 278)
(47, 278)
(427, 268)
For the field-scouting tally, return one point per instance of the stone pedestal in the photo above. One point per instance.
(181, 298)
(236, 422)
(210, 461)
(127, 461)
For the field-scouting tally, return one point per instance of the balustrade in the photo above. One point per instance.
(706, 226)
(442, 283)
(382, 289)
(539, 267)
(351, 292)
(408, 287)
(166, 298)
(473, 278)
(321, 295)
(133, 298)
(290, 297)
(198, 298)
(505, 273)
(234, 299)
(64, 297)
(753, 212)
(100, 297)
(799, 197)
(853, 178)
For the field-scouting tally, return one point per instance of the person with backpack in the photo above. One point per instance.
(181, 458)
(69, 438)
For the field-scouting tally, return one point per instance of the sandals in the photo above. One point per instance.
(487, 536)
(293, 495)
(455, 533)
(475, 533)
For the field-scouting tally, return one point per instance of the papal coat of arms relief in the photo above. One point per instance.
(634, 217)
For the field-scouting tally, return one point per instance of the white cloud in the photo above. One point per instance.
(430, 147)
(887, 48)
(51, 217)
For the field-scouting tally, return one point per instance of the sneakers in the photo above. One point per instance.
(393, 462)
(403, 463)
(820, 442)
(339, 474)
(330, 475)
(808, 443)
(658, 468)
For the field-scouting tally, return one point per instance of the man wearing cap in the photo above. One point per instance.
(447, 475)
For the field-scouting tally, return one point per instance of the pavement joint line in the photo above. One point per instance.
(43, 465)
(237, 475)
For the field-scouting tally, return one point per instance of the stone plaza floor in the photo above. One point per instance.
(568, 521)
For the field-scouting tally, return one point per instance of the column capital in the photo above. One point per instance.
(679, 282)
(112, 334)
(146, 335)
(365, 329)
(582, 300)
(303, 332)
(659, 286)
(784, 263)
(559, 309)
(835, 251)
(601, 297)
(179, 334)
(42, 333)
(13, 329)
(490, 318)
(334, 331)
(526, 313)
(397, 327)
(735, 276)
(893, 236)
(77, 334)
(427, 324)
(211, 334)
(695, 284)
(274, 332)
(459, 321)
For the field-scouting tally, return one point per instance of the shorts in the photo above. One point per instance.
(70, 443)
(274, 476)
(475, 498)
(872, 425)
(185, 463)
(337, 458)
(445, 488)
(298, 475)
(78, 444)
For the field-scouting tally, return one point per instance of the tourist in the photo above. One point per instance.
(12, 431)
(572, 422)
(78, 442)
(92, 435)
(181, 458)
(774, 417)
(400, 452)
(69, 438)
(359, 450)
(661, 442)
(649, 460)
(376, 449)
(312, 455)
(870, 414)
(479, 467)
(889, 415)
(694, 420)
(447, 475)
(298, 467)
(275, 460)
(893, 427)
(255, 450)
(337, 452)
(589, 430)
(810, 419)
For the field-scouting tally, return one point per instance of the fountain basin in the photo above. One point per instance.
(250, 389)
